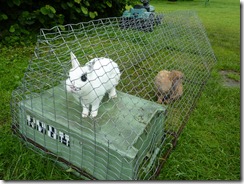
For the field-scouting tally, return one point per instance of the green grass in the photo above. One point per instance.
(209, 146)
(234, 76)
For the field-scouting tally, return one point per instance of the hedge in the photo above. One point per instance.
(22, 17)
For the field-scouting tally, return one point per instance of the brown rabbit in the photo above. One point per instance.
(169, 85)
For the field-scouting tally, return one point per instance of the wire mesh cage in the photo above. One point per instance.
(153, 78)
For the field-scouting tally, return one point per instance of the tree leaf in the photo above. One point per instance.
(78, 10)
(3, 17)
(77, 1)
(84, 10)
(12, 29)
(70, 4)
(48, 10)
(109, 4)
(64, 5)
(87, 3)
(61, 27)
(51, 15)
(44, 10)
(16, 2)
(41, 20)
(51, 8)
(96, 13)
(61, 18)
(92, 15)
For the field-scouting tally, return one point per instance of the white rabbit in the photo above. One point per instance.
(89, 83)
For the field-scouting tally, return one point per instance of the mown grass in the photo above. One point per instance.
(209, 147)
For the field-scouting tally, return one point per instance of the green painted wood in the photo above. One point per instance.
(111, 146)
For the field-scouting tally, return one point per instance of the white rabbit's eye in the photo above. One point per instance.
(84, 77)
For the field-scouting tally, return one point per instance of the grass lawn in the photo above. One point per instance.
(209, 146)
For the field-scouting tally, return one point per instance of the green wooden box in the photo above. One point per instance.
(121, 143)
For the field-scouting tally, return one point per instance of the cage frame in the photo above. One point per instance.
(145, 56)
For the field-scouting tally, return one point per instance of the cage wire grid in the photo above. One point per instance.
(132, 135)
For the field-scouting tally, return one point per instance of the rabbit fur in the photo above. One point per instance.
(169, 86)
(89, 83)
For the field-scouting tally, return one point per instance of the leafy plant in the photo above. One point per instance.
(23, 17)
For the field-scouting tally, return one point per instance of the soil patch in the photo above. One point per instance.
(229, 81)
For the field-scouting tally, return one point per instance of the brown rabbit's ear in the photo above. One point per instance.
(176, 75)
(173, 75)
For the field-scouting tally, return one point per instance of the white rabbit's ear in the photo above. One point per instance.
(90, 66)
(74, 60)
(91, 63)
